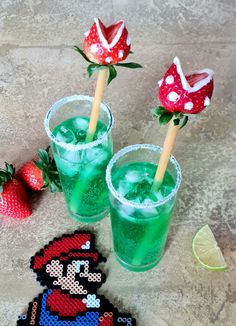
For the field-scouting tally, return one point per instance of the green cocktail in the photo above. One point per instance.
(81, 165)
(140, 216)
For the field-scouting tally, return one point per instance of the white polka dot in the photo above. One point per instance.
(93, 48)
(172, 96)
(128, 41)
(108, 59)
(188, 106)
(160, 82)
(207, 101)
(121, 54)
(169, 79)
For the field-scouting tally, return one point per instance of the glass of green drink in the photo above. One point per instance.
(81, 165)
(140, 216)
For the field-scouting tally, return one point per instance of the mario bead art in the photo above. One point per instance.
(67, 266)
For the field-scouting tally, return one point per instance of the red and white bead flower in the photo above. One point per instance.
(189, 93)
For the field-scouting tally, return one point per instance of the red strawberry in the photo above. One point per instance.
(31, 176)
(40, 173)
(107, 45)
(13, 197)
(187, 94)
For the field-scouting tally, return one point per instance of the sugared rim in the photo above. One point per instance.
(57, 105)
(132, 148)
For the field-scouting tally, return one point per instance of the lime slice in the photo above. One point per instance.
(206, 250)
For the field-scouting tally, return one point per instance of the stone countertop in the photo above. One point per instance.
(38, 67)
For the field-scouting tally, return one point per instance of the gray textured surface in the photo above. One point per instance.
(38, 67)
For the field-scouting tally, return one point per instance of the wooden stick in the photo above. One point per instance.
(101, 83)
(165, 155)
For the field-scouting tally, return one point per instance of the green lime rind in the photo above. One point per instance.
(215, 247)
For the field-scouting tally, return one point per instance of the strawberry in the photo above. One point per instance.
(185, 93)
(107, 45)
(40, 173)
(13, 197)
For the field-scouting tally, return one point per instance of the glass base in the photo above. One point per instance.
(89, 219)
(137, 268)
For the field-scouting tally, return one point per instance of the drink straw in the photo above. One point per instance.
(165, 155)
(100, 87)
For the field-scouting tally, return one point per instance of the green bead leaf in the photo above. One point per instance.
(95, 67)
(81, 52)
(165, 118)
(131, 65)
(112, 74)
(184, 122)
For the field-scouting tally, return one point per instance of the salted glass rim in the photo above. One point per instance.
(58, 104)
(132, 148)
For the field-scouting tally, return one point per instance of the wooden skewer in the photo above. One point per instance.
(100, 86)
(165, 155)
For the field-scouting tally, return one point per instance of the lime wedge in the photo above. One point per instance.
(206, 250)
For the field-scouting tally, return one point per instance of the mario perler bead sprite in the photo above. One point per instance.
(67, 266)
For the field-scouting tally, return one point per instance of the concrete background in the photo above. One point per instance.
(38, 67)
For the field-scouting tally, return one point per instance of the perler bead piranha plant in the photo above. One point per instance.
(67, 266)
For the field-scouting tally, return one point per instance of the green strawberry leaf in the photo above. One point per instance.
(46, 179)
(176, 121)
(157, 112)
(3, 175)
(112, 74)
(81, 52)
(39, 164)
(131, 52)
(55, 185)
(43, 155)
(131, 65)
(165, 118)
(184, 122)
(94, 67)
(9, 169)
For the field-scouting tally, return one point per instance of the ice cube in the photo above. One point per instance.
(123, 188)
(66, 135)
(133, 176)
(100, 133)
(149, 212)
(96, 155)
(65, 166)
(80, 123)
(126, 210)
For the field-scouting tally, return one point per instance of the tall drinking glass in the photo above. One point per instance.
(140, 217)
(81, 165)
